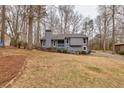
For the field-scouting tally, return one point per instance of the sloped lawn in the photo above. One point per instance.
(47, 69)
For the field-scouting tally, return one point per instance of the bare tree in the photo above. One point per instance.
(15, 22)
(98, 22)
(52, 20)
(66, 12)
(103, 10)
(30, 19)
(3, 25)
(87, 27)
(63, 19)
(113, 32)
(76, 22)
(40, 14)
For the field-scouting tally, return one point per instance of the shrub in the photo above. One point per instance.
(13, 42)
(48, 49)
(82, 52)
(59, 50)
(121, 52)
(25, 45)
(89, 51)
(85, 52)
(19, 44)
(53, 50)
(62, 50)
(65, 51)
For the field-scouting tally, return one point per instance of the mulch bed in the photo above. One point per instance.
(9, 67)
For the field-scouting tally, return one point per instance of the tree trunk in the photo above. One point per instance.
(100, 39)
(38, 28)
(3, 25)
(30, 28)
(113, 33)
(104, 38)
(16, 30)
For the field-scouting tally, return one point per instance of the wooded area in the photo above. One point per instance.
(25, 24)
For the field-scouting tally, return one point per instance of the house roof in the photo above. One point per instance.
(119, 44)
(63, 36)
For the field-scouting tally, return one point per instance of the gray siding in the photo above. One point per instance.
(48, 37)
(72, 44)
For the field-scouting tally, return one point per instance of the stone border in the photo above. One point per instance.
(9, 84)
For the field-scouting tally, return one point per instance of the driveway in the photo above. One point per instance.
(109, 55)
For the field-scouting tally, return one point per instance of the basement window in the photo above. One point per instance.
(54, 43)
(67, 41)
(84, 40)
(84, 48)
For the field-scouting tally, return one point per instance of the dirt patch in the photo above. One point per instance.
(1, 54)
(9, 67)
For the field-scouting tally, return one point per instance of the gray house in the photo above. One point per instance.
(71, 42)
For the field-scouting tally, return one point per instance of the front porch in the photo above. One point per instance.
(58, 43)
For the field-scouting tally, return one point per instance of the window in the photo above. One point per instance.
(60, 43)
(84, 40)
(84, 48)
(67, 41)
(43, 43)
(54, 43)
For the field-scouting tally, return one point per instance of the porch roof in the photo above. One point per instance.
(119, 44)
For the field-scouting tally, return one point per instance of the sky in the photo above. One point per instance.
(87, 10)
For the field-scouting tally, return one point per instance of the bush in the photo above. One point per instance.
(48, 49)
(53, 50)
(89, 51)
(85, 52)
(59, 50)
(121, 52)
(65, 51)
(13, 42)
(62, 50)
(19, 44)
(25, 45)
